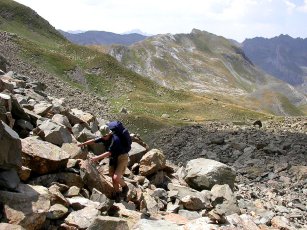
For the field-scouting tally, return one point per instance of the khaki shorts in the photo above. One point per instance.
(122, 163)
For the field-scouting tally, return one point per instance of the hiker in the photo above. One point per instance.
(118, 143)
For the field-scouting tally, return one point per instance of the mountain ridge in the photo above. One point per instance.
(202, 62)
(282, 56)
(103, 38)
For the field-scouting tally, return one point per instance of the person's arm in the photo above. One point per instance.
(92, 141)
(101, 156)
(89, 142)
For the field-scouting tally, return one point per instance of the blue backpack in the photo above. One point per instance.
(123, 134)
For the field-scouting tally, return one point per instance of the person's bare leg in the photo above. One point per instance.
(118, 180)
(115, 184)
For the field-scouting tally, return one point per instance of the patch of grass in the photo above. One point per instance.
(52, 60)
(288, 107)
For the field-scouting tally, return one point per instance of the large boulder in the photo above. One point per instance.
(204, 174)
(152, 162)
(28, 207)
(43, 157)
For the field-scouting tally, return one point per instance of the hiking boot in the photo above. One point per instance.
(117, 197)
(125, 191)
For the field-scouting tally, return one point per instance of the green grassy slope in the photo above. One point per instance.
(42, 46)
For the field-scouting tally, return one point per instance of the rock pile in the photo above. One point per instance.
(47, 182)
(270, 163)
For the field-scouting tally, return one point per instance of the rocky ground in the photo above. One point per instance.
(265, 159)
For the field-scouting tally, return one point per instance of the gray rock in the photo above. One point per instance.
(57, 211)
(67, 178)
(79, 202)
(144, 224)
(54, 133)
(136, 153)
(9, 179)
(190, 215)
(61, 119)
(224, 200)
(109, 223)
(10, 151)
(42, 108)
(105, 202)
(192, 203)
(183, 191)
(83, 218)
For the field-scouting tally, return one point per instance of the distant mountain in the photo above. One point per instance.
(102, 38)
(75, 31)
(206, 63)
(283, 57)
(137, 31)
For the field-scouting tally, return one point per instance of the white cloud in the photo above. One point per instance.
(236, 19)
(290, 6)
(303, 8)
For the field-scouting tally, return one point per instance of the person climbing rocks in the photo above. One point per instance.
(118, 143)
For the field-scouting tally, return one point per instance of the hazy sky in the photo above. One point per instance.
(236, 19)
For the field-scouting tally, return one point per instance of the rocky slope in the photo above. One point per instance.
(47, 182)
(73, 96)
(270, 161)
(283, 57)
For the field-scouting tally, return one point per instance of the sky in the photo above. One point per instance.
(234, 19)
